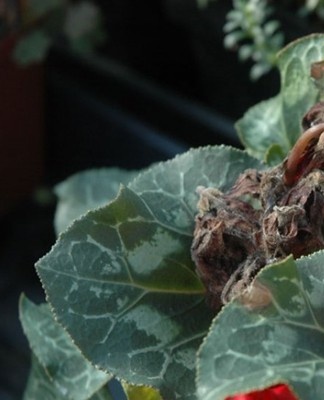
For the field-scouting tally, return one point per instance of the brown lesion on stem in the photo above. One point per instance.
(265, 216)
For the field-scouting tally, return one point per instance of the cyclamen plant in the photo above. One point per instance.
(124, 298)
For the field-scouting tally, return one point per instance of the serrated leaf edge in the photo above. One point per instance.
(213, 323)
(23, 297)
(190, 151)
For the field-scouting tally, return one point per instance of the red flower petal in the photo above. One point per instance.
(278, 392)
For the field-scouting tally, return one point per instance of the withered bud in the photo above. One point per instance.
(234, 238)
(225, 234)
(256, 296)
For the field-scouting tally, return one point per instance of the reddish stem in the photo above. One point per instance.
(298, 152)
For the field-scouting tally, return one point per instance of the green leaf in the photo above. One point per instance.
(70, 374)
(40, 386)
(274, 155)
(278, 121)
(283, 342)
(121, 279)
(140, 392)
(32, 48)
(170, 187)
(85, 191)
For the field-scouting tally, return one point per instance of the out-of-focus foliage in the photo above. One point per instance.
(256, 36)
(79, 24)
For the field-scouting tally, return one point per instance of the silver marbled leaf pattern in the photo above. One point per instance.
(276, 123)
(282, 342)
(59, 370)
(121, 280)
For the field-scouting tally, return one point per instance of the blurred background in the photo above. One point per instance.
(125, 83)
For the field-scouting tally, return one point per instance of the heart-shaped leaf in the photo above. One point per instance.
(282, 342)
(60, 365)
(278, 121)
(121, 280)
